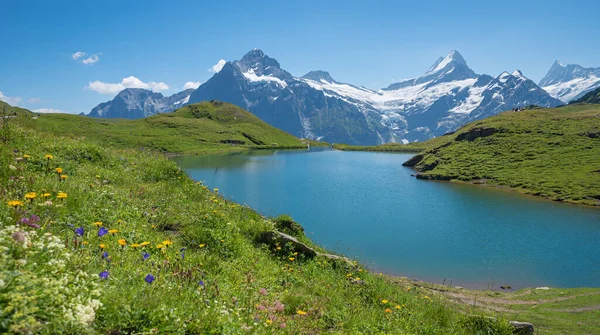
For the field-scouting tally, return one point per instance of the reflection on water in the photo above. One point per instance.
(366, 205)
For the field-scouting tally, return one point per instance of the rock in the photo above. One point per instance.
(357, 281)
(274, 237)
(476, 133)
(522, 328)
(543, 288)
(414, 160)
(338, 258)
(594, 134)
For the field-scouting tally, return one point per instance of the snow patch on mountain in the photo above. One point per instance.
(253, 77)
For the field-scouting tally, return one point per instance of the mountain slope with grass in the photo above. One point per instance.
(196, 128)
(551, 153)
(103, 240)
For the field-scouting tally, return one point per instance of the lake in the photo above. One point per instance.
(367, 206)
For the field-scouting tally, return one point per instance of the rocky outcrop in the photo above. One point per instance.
(522, 328)
(475, 133)
(414, 160)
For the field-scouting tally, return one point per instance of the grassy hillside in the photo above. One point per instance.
(96, 239)
(592, 97)
(553, 153)
(197, 128)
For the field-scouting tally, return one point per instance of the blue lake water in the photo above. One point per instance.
(368, 207)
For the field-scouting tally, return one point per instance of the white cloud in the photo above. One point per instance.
(191, 84)
(78, 55)
(33, 100)
(91, 60)
(129, 82)
(9, 100)
(217, 67)
(49, 110)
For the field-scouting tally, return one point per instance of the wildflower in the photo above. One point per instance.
(279, 307)
(102, 231)
(97, 224)
(201, 283)
(61, 195)
(202, 245)
(15, 203)
(79, 231)
(143, 244)
(216, 190)
(149, 279)
(122, 242)
(113, 231)
(167, 243)
(145, 256)
(48, 157)
(159, 246)
(30, 195)
(19, 237)
(282, 325)
(300, 312)
(63, 176)
(263, 291)
(278, 248)
(58, 170)
(296, 253)
(85, 243)
(348, 275)
(104, 274)
(97, 176)
(26, 156)
(384, 301)
(387, 310)
(357, 278)
(135, 245)
(268, 322)
(105, 255)
(102, 246)
(398, 307)
(46, 195)
(291, 258)
(119, 221)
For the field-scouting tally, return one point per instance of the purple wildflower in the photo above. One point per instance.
(102, 231)
(145, 256)
(104, 274)
(201, 283)
(149, 279)
(31, 221)
(105, 255)
(79, 231)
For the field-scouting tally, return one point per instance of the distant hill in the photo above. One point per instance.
(592, 97)
(201, 127)
(551, 153)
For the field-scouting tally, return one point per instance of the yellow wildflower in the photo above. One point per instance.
(61, 195)
(357, 278)
(268, 322)
(398, 307)
(85, 243)
(30, 195)
(349, 275)
(102, 246)
(122, 242)
(300, 312)
(48, 157)
(15, 203)
(387, 310)
(97, 176)
(291, 258)
(216, 190)
(159, 246)
(63, 176)
(384, 301)
(202, 245)
(296, 253)
(26, 156)
(58, 170)
(97, 224)
(113, 231)
(143, 244)
(278, 248)
(45, 195)
(167, 243)
(135, 245)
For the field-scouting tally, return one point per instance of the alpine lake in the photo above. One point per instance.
(367, 206)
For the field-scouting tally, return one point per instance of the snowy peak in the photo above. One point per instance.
(569, 82)
(321, 76)
(453, 58)
(452, 67)
(257, 63)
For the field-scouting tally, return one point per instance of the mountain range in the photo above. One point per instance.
(316, 106)
(570, 82)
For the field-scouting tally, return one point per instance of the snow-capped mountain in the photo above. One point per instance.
(135, 103)
(570, 82)
(257, 83)
(316, 106)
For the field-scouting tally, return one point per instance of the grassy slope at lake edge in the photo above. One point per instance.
(551, 153)
(147, 198)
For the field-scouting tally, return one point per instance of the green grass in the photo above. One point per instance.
(390, 147)
(198, 128)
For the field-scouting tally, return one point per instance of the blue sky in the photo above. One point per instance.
(165, 44)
